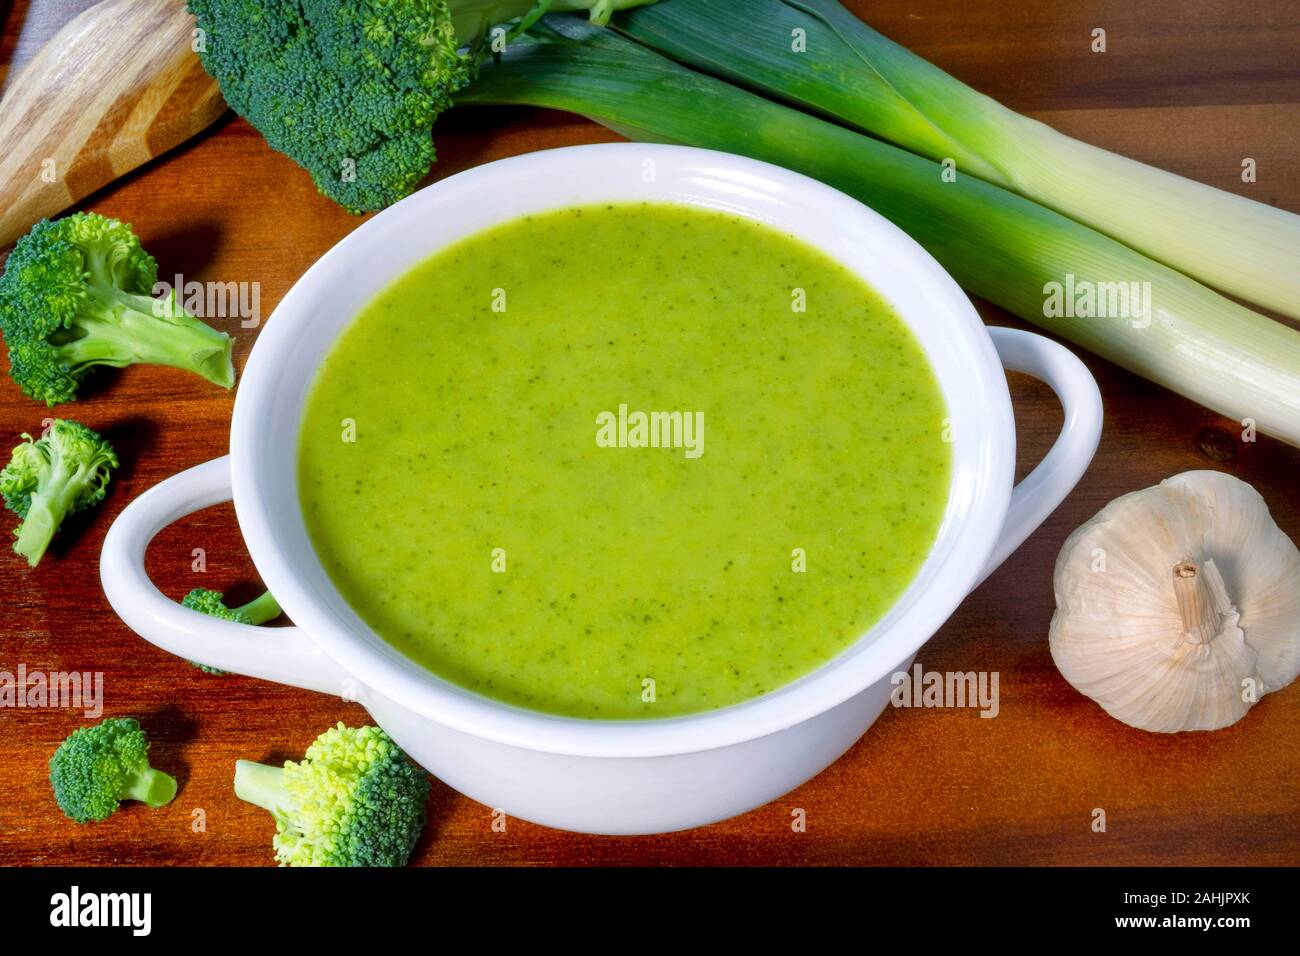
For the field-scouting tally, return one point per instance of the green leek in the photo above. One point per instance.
(818, 55)
(996, 243)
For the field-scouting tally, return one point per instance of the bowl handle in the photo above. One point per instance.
(281, 654)
(1056, 475)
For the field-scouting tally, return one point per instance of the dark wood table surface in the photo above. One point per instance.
(1193, 86)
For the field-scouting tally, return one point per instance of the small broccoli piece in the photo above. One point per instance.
(350, 91)
(354, 800)
(48, 479)
(76, 293)
(259, 611)
(99, 766)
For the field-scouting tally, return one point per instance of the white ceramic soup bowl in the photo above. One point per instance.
(602, 776)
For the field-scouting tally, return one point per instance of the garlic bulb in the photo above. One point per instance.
(1178, 606)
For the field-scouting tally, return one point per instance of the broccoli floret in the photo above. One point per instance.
(99, 766)
(259, 611)
(48, 479)
(350, 91)
(354, 800)
(76, 293)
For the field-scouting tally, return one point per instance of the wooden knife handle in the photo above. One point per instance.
(117, 86)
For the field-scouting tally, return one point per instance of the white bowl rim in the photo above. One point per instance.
(868, 660)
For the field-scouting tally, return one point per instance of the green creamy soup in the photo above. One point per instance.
(624, 461)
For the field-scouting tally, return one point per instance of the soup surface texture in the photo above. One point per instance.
(479, 497)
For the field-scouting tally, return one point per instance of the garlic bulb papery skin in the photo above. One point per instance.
(1178, 606)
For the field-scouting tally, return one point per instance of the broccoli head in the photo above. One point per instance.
(350, 91)
(212, 603)
(76, 293)
(99, 766)
(354, 800)
(65, 471)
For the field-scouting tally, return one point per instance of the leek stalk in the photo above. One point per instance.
(840, 67)
(996, 243)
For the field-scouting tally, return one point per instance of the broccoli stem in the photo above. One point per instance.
(472, 18)
(37, 530)
(136, 329)
(151, 786)
(261, 785)
(48, 507)
(261, 610)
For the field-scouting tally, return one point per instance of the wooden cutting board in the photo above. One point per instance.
(1191, 87)
(118, 85)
